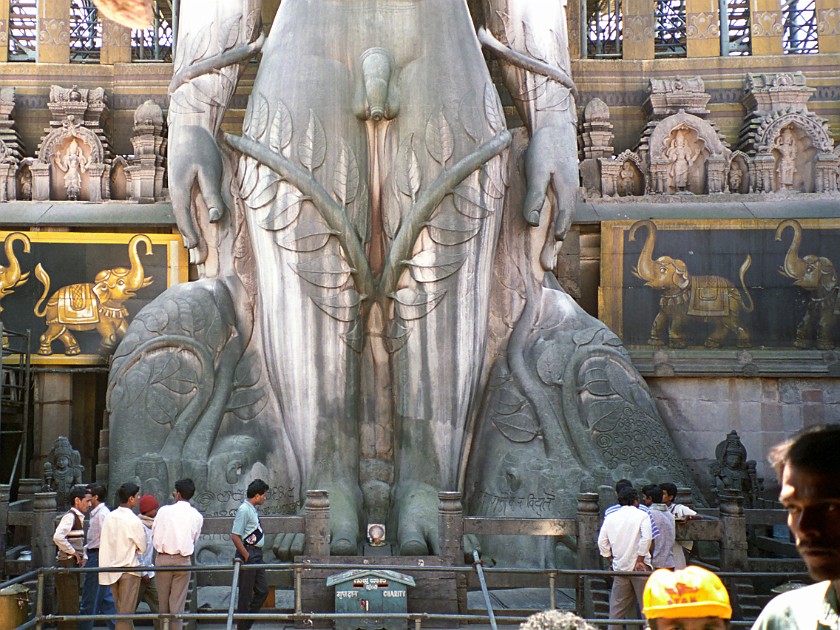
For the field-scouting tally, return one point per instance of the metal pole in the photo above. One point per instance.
(724, 27)
(552, 597)
(39, 601)
(234, 585)
(298, 586)
(480, 571)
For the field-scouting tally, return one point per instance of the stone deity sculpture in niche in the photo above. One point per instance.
(62, 470)
(73, 164)
(370, 259)
(732, 472)
(681, 155)
(786, 168)
(736, 176)
(626, 180)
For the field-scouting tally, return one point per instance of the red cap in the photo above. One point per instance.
(148, 503)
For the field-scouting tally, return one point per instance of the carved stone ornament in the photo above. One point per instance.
(376, 206)
(69, 165)
(669, 96)
(62, 470)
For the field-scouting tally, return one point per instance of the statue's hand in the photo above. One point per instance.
(194, 156)
(551, 160)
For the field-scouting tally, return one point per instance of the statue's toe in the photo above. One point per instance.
(414, 547)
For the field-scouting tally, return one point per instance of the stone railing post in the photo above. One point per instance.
(733, 532)
(451, 526)
(27, 487)
(43, 527)
(316, 527)
(5, 492)
(587, 538)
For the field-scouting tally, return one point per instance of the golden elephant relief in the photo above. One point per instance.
(92, 306)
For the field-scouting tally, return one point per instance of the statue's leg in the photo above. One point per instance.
(659, 329)
(69, 341)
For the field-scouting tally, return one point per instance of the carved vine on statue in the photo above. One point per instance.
(92, 306)
(818, 276)
(685, 296)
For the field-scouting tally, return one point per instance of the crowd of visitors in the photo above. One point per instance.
(637, 536)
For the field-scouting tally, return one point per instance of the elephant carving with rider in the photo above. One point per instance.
(686, 297)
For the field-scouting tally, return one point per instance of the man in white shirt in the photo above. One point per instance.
(148, 507)
(69, 538)
(174, 534)
(123, 538)
(681, 514)
(624, 539)
(96, 599)
(662, 548)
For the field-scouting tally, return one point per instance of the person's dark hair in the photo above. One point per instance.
(653, 491)
(622, 483)
(77, 492)
(669, 487)
(126, 491)
(99, 491)
(814, 450)
(628, 496)
(186, 488)
(257, 486)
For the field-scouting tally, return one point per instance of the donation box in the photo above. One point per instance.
(370, 593)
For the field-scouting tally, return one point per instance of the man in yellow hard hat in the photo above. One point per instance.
(689, 599)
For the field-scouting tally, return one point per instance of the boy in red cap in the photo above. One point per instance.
(148, 592)
(689, 599)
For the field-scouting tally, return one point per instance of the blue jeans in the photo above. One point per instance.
(96, 599)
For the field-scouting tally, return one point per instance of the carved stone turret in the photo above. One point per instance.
(789, 149)
(11, 146)
(597, 130)
(144, 174)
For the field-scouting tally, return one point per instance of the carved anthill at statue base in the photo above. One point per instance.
(365, 270)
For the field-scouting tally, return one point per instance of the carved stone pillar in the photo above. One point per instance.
(53, 414)
(828, 31)
(658, 180)
(7, 174)
(587, 538)
(764, 166)
(733, 544)
(40, 181)
(638, 30)
(53, 31)
(95, 183)
(702, 30)
(116, 43)
(4, 43)
(451, 526)
(43, 548)
(825, 179)
(316, 542)
(767, 28)
(715, 165)
(609, 177)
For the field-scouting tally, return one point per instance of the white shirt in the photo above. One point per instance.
(97, 517)
(68, 540)
(146, 559)
(624, 536)
(123, 538)
(176, 529)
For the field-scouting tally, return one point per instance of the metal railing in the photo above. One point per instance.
(297, 615)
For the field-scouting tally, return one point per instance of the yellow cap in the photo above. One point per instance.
(689, 593)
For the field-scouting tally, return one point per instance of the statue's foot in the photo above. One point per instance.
(711, 343)
(44, 350)
(801, 343)
(287, 546)
(678, 343)
(416, 507)
(345, 531)
(71, 350)
(825, 344)
(655, 341)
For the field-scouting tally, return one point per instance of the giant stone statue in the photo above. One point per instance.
(375, 251)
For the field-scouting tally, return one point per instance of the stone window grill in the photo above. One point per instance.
(603, 28)
(155, 43)
(735, 28)
(799, 22)
(23, 30)
(85, 32)
(669, 28)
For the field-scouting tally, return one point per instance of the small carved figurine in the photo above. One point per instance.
(62, 470)
(732, 471)
(735, 178)
(786, 168)
(626, 180)
(681, 156)
(73, 165)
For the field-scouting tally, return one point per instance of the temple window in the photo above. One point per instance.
(85, 32)
(604, 28)
(799, 21)
(669, 28)
(155, 43)
(23, 31)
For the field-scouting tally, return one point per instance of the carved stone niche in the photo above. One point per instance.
(623, 176)
(686, 155)
(120, 178)
(70, 165)
(738, 173)
(146, 167)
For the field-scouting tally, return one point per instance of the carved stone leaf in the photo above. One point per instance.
(174, 375)
(470, 202)
(408, 169)
(247, 373)
(391, 214)
(510, 401)
(266, 189)
(257, 124)
(491, 185)
(312, 148)
(245, 397)
(597, 383)
(181, 103)
(283, 212)
(252, 22)
(470, 118)
(519, 428)
(346, 182)
(531, 44)
(396, 337)
(249, 411)
(200, 45)
(248, 176)
(415, 304)
(343, 306)
(359, 214)
(492, 111)
(203, 93)
(453, 229)
(430, 267)
(281, 128)
(439, 141)
(355, 337)
(329, 271)
(559, 101)
(229, 31)
(309, 236)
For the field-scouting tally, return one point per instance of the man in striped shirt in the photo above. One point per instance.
(626, 483)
